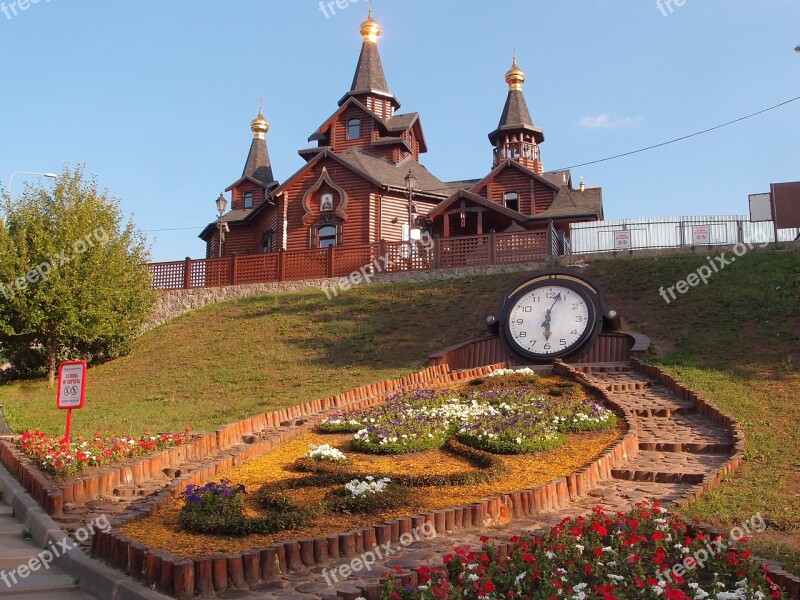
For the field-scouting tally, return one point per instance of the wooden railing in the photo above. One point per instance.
(383, 257)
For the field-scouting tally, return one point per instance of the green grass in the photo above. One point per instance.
(230, 361)
(737, 341)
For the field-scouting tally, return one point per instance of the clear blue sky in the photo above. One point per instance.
(156, 97)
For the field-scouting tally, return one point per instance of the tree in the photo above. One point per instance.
(73, 280)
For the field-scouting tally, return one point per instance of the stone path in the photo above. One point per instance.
(678, 448)
(16, 550)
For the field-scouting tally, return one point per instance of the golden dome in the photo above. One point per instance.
(260, 125)
(370, 29)
(515, 76)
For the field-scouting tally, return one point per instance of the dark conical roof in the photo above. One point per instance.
(517, 117)
(369, 75)
(258, 165)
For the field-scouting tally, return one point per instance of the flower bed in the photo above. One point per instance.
(278, 472)
(647, 554)
(62, 459)
(506, 418)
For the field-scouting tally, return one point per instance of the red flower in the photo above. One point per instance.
(602, 531)
(587, 569)
(528, 558)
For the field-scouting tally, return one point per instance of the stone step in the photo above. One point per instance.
(692, 430)
(40, 595)
(6, 511)
(10, 528)
(669, 467)
(37, 584)
(16, 551)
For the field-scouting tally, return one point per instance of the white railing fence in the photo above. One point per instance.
(672, 232)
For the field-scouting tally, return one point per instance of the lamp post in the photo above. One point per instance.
(222, 205)
(11, 179)
(411, 186)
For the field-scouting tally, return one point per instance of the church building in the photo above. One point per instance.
(362, 182)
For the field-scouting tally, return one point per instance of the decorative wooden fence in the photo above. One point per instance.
(383, 257)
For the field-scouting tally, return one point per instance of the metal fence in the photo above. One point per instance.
(675, 232)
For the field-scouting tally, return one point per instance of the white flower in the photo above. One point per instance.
(550, 555)
(326, 452)
(473, 577)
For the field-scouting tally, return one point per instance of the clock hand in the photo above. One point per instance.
(546, 325)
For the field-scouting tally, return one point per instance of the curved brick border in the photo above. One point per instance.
(183, 578)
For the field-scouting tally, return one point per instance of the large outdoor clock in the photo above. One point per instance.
(552, 315)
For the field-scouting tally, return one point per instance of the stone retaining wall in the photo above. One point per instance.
(174, 303)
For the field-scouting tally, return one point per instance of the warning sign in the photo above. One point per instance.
(71, 384)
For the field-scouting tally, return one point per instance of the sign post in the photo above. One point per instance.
(71, 389)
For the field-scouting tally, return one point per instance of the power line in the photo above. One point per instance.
(680, 139)
(176, 229)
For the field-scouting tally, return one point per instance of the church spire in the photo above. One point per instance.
(516, 137)
(258, 165)
(369, 83)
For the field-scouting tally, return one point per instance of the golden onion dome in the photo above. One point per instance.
(260, 125)
(515, 76)
(370, 29)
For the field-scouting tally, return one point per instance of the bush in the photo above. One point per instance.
(367, 496)
(218, 509)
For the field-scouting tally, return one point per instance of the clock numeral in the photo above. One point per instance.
(527, 309)
(535, 299)
(579, 319)
(523, 334)
(576, 306)
(574, 332)
(547, 346)
(520, 321)
(563, 342)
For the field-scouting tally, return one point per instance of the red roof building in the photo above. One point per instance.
(353, 188)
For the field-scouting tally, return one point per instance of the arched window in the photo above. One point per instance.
(248, 200)
(511, 200)
(327, 236)
(354, 129)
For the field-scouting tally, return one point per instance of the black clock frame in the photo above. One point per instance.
(592, 293)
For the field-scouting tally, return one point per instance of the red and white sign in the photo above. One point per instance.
(701, 235)
(71, 384)
(622, 240)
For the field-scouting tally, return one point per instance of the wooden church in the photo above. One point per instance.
(354, 188)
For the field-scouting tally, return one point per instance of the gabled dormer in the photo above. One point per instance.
(254, 186)
(516, 137)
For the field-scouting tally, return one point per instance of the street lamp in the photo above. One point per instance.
(797, 48)
(11, 179)
(222, 205)
(411, 186)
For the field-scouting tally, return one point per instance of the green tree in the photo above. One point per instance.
(72, 271)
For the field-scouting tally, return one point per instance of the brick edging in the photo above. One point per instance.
(183, 578)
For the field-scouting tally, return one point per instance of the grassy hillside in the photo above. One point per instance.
(231, 361)
(736, 340)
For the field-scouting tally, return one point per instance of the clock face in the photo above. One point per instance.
(549, 320)
(554, 315)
